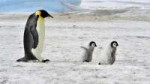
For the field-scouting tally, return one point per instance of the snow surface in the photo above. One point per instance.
(66, 33)
(114, 4)
(64, 36)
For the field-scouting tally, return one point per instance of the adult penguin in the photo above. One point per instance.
(34, 36)
(108, 56)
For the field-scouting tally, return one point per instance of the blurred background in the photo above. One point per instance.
(32, 5)
(65, 5)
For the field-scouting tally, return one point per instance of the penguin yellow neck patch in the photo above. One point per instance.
(38, 13)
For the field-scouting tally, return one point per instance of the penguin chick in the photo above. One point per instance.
(108, 56)
(87, 57)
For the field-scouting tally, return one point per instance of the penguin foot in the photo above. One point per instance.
(46, 60)
(99, 63)
(86, 61)
(22, 60)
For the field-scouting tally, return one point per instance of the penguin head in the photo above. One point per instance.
(114, 44)
(43, 13)
(92, 44)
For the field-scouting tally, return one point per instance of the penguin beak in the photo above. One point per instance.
(95, 45)
(50, 16)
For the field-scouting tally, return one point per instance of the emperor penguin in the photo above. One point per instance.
(34, 36)
(108, 56)
(88, 51)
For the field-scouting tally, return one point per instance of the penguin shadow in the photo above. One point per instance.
(35, 61)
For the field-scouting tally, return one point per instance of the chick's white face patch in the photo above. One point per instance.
(114, 45)
(93, 45)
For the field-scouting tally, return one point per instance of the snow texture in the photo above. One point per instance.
(66, 33)
(62, 47)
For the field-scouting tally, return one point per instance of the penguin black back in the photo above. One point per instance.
(30, 38)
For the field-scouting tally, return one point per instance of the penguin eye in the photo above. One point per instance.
(93, 45)
(114, 45)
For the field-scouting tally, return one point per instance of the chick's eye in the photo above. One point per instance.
(93, 45)
(114, 44)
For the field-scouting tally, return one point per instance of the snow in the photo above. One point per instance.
(114, 4)
(64, 37)
(129, 25)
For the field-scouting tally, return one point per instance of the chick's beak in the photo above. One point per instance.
(95, 45)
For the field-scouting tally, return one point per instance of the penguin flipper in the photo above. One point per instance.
(84, 48)
(35, 36)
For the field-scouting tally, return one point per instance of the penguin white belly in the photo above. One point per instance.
(41, 35)
(105, 56)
